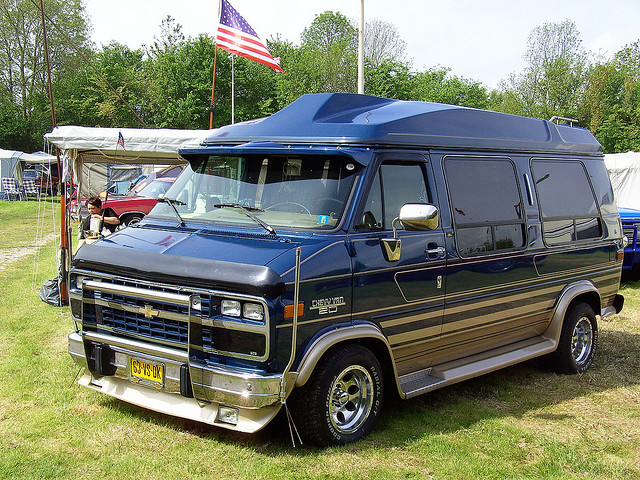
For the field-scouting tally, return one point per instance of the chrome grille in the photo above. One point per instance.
(168, 331)
(631, 233)
(159, 313)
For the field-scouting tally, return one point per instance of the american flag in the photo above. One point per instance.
(236, 36)
(121, 140)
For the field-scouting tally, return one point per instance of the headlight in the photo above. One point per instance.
(79, 280)
(230, 308)
(253, 311)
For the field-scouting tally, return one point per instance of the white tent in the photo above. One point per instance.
(624, 171)
(8, 162)
(93, 153)
(43, 159)
(12, 163)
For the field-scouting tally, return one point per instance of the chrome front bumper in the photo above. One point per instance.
(255, 396)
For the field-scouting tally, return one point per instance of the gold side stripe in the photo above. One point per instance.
(317, 320)
(482, 320)
(413, 318)
(469, 324)
(502, 300)
(468, 340)
(440, 346)
(420, 335)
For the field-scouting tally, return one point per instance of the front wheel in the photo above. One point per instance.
(132, 219)
(341, 401)
(578, 340)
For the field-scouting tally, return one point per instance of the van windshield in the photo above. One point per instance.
(279, 190)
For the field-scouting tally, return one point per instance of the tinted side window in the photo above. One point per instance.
(486, 204)
(567, 205)
(394, 185)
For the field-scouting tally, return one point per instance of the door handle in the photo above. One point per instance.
(437, 252)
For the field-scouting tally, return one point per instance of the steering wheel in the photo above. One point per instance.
(302, 207)
(322, 202)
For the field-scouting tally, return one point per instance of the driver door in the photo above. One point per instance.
(404, 297)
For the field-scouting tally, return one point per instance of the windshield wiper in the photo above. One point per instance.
(247, 211)
(173, 202)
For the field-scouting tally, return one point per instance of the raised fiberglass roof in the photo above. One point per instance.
(351, 119)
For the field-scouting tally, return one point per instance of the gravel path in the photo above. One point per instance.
(10, 255)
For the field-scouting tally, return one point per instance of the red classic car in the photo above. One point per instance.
(133, 206)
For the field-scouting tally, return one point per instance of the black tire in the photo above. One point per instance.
(342, 400)
(578, 340)
(132, 219)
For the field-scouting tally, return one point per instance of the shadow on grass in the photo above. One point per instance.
(512, 392)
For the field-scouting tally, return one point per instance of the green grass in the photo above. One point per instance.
(521, 422)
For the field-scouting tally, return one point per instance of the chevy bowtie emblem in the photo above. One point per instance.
(148, 311)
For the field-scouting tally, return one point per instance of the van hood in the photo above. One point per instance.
(207, 260)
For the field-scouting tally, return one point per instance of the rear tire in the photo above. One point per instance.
(342, 400)
(578, 340)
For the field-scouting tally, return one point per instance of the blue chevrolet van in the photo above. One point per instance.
(346, 249)
(630, 222)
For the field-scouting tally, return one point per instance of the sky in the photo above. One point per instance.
(481, 40)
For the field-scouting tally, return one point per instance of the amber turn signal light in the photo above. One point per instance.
(288, 311)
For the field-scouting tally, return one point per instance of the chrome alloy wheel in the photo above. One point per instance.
(351, 399)
(582, 340)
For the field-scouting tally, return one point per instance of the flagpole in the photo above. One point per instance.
(65, 249)
(233, 94)
(213, 86)
(361, 50)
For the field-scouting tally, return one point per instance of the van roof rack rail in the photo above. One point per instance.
(557, 119)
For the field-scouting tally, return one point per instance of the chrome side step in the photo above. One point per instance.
(438, 376)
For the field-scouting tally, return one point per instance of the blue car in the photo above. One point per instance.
(630, 223)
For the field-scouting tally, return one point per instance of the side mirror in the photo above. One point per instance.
(413, 216)
(418, 216)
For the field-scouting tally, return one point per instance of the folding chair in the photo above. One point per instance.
(10, 188)
(30, 188)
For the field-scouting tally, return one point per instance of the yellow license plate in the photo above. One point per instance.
(147, 372)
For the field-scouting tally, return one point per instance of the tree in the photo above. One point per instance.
(628, 59)
(389, 79)
(122, 68)
(180, 72)
(610, 106)
(435, 85)
(552, 83)
(382, 42)
(326, 60)
(23, 81)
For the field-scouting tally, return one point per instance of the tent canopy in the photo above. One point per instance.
(12, 162)
(100, 145)
(8, 162)
(624, 171)
(93, 153)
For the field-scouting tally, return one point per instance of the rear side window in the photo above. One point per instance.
(568, 207)
(486, 205)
